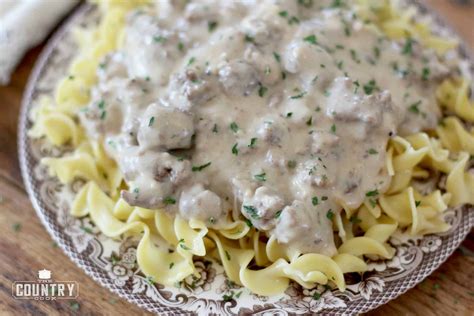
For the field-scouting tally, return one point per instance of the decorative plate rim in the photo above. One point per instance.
(408, 282)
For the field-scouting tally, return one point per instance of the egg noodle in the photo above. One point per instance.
(446, 150)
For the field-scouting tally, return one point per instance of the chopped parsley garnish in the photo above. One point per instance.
(414, 107)
(333, 128)
(372, 151)
(75, 306)
(354, 56)
(71, 77)
(298, 96)
(101, 104)
(249, 38)
(169, 200)
(151, 121)
(278, 214)
(16, 227)
(372, 193)
(253, 141)
(214, 128)
(252, 211)
(159, 39)
(211, 220)
(180, 46)
(262, 90)
(149, 280)
(373, 203)
(289, 114)
(315, 200)
(291, 164)
(417, 203)
(306, 3)
(136, 190)
(191, 61)
(182, 245)
(227, 255)
(201, 167)
(324, 198)
(408, 47)
(309, 122)
(330, 214)
(248, 222)
(311, 39)
(277, 56)
(425, 74)
(228, 297)
(171, 265)
(376, 52)
(234, 127)
(355, 220)
(211, 26)
(235, 150)
(283, 14)
(357, 84)
(87, 229)
(370, 87)
(103, 115)
(261, 177)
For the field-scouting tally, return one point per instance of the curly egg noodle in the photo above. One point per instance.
(265, 268)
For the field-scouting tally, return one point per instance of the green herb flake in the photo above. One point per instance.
(333, 128)
(277, 56)
(75, 306)
(373, 203)
(234, 127)
(425, 74)
(201, 167)
(103, 115)
(87, 229)
(324, 198)
(309, 122)
(249, 39)
(330, 214)
(248, 222)
(417, 203)
(262, 90)
(261, 177)
(171, 265)
(180, 46)
(283, 14)
(252, 211)
(253, 141)
(311, 39)
(316, 296)
(169, 200)
(370, 87)
(278, 214)
(211, 26)
(298, 96)
(315, 200)
(414, 107)
(214, 129)
(159, 39)
(235, 150)
(289, 114)
(16, 227)
(355, 220)
(182, 244)
(408, 47)
(372, 151)
(151, 121)
(291, 164)
(372, 193)
(191, 61)
(227, 255)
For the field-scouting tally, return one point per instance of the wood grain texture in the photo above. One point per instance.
(26, 247)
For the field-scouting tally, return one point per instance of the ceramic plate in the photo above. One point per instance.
(113, 264)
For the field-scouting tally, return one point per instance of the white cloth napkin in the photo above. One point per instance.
(24, 24)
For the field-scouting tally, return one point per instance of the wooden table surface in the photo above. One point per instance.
(26, 247)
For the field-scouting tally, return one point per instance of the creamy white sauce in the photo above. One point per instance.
(278, 111)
